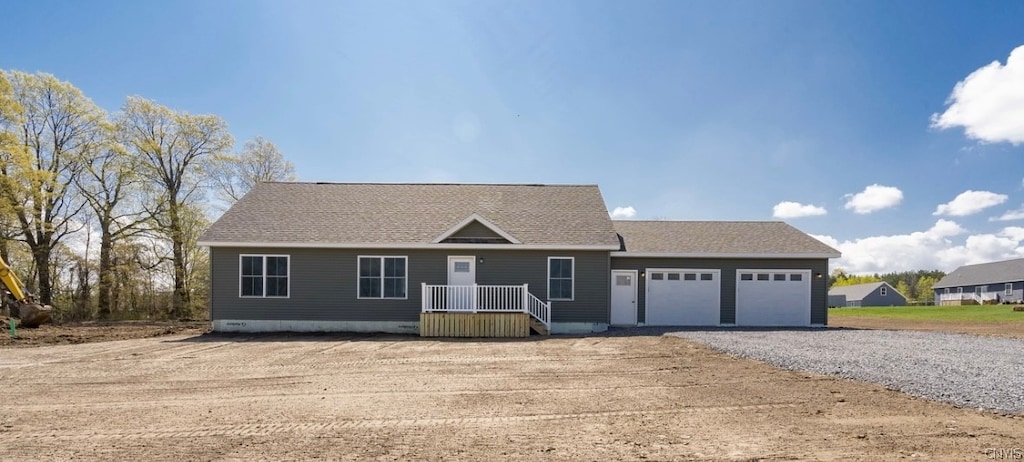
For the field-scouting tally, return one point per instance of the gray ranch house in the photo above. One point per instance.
(492, 260)
(870, 294)
(1001, 281)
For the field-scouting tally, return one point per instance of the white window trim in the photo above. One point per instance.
(288, 260)
(573, 280)
(1008, 288)
(359, 259)
(959, 290)
(884, 292)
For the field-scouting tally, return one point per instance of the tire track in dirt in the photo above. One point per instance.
(334, 393)
(335, 367)
(307, 428)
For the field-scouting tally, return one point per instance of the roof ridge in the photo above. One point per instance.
(993, 262)
(696, 221)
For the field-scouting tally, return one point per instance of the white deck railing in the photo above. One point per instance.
(541, 311)
(485, 298)
(980, 298)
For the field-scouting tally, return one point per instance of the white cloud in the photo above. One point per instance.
(1010, 215)
(970, 202)
(989, 103)
(788, 209)
(931, 249)
(623, 212)
(873, 198)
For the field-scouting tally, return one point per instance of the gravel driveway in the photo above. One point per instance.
(966, 370)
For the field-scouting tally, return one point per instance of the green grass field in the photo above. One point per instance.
(967, 313)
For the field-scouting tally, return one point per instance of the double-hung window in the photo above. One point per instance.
(264, 275)
(382, 277)
(560, 278)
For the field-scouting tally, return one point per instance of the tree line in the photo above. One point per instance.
(915, 285)
(144, 182)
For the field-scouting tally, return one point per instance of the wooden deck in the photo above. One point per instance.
(448, 324)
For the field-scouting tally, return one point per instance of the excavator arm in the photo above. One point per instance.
(11, 281)
(24, 306)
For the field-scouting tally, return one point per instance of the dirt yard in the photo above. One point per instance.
(88, 332)
(992, 329)
(291, 397)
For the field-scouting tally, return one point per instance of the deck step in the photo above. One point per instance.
(538, 327)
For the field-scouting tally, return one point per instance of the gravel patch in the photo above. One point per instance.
(965, 370)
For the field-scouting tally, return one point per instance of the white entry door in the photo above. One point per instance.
(623, 297)
(461, 277)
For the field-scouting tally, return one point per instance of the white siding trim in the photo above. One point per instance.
(417, 246)
(723, 255)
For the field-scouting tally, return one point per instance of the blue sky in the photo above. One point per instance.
(679, 110)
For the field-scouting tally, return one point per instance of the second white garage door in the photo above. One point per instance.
(773, 298)
(683, 297)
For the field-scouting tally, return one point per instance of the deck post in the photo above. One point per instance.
(526, 298)
(423, 297)
(473, 299)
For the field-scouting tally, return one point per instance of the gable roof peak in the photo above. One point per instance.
(476, 217)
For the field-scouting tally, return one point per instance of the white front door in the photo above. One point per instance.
(461, 277)
(461, 271)
(623, 297)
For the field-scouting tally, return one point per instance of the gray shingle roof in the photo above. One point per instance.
(984, 273)
(718, 238)
(411, 214)
(858, 291)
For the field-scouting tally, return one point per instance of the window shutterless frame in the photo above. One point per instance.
(263, 277)
(382, 276)
(561, 277)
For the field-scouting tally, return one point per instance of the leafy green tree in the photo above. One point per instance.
(904, 288)
(57, 126)
(259, 161)
(925, 292)
(175, 151)
(112, 187)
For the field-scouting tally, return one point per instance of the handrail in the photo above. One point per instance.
(485, 298)
(540, 311)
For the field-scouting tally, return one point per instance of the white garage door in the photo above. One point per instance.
(773, 298)
(683, 297)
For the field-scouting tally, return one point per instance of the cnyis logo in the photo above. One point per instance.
(1004, 453)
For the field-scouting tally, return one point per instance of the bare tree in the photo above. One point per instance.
(57, 126)
(175, 149)
(259, 161)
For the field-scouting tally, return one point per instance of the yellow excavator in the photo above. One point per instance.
(23, 305)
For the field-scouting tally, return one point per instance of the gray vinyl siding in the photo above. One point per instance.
(323, 283)
(891, 298)
(728, 267)
(475, 229)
